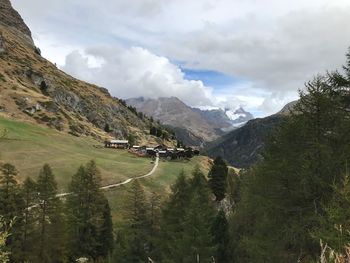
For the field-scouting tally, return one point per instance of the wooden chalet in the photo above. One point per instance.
(117, 144)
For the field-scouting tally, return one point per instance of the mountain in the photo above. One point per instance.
(188, 124)
(239, 116)
(193, 126)
(242, 147)
(35, 90)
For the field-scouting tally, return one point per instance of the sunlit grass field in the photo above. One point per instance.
(29, 147)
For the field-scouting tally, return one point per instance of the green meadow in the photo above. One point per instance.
(29, 147)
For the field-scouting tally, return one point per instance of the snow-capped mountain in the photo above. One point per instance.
(238, 117)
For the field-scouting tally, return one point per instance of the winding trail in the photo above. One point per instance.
(109, 186)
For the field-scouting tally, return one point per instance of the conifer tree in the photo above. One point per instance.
(187, 220)
(173, 216)
(137, 211)
(221, 238)
(218, 178)
(50, 219)
(88, 215)
(30, 196)
(11, 209)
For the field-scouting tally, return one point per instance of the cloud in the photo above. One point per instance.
(135, 71)
(274, 45)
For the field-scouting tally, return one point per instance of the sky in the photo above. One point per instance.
(208, 53)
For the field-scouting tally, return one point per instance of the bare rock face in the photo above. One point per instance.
(10, 17)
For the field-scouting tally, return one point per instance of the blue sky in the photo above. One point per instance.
(232, 52)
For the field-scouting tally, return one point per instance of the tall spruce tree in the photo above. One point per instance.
(218, 178)
(50, 218)
(137, 212)
(221, 238)
(173, 216)
(187, 220)
(30, 196)
(11, 209)
(88, 215)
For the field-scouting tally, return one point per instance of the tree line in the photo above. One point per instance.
(46, 229)
(299, 195)
(185, 227)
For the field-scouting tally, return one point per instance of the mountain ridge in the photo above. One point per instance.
(193, 126)
(35, 90)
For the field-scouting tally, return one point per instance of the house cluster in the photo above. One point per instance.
(147, 151)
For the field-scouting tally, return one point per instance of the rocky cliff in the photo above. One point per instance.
(35, 90)
(11, 18)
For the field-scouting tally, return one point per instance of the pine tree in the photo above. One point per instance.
(88, 215)
(186, 223)
(220, 232)
(137, 211)
(50, 219)
(30, 196)
(173, 216)
(105, 236)
(11, 209)
(218, 178)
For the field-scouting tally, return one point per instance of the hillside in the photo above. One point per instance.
(29, 147)
(36, 91)
(192, 126)
(243, 146)
(189, 125)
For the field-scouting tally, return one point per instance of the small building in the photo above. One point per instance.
(117, 144)
(163, 154)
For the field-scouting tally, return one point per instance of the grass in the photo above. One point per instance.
(159, 183)
(29, 147)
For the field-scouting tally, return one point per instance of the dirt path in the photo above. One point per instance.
(109, 186)
(131, 179)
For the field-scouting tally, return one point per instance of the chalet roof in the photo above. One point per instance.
(119, 141)
(180, 149)
(162, 151)
(149, 149)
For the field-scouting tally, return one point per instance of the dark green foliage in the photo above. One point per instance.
(220, 232)
(131, 139)
(138, 224)
(87, 215)
(30, 196)
(43, 87)
(218, 178)
(107, 128)
(291, 199)
(105, 238)
(186, 222)
(11, 209)
(50, 218)
(153, 131)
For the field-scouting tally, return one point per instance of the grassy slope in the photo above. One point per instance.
(29, 146)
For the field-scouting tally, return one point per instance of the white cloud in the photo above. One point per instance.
(135, 71)
(275, 45)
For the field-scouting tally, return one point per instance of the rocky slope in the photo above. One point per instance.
(193, 126)
(188, 124)
(34, 90)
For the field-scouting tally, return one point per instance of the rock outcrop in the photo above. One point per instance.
(11, 18)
